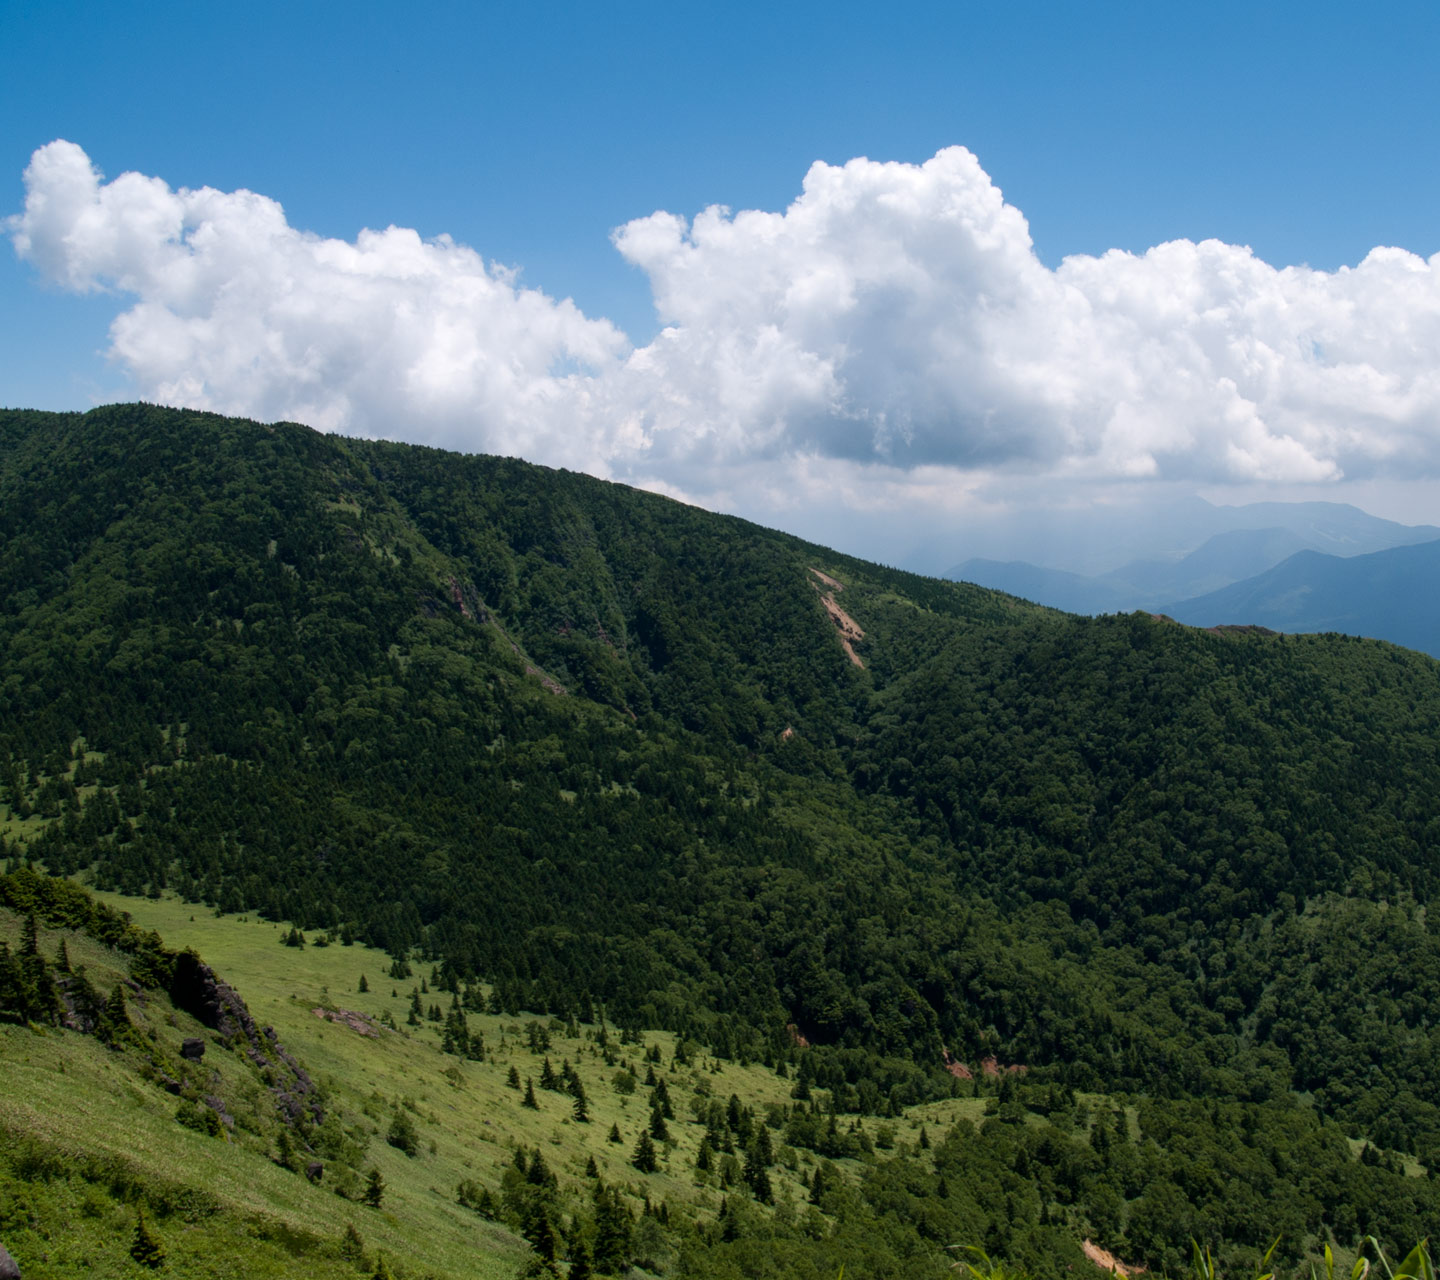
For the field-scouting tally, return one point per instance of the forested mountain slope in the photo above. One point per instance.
(586, 743)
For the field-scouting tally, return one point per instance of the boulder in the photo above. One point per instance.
(193, 1049)
(9, 1268)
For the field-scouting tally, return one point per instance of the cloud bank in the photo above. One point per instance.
(893, 322)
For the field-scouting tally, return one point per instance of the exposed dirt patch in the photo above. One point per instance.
(357, 1022)
(787, 733)
(467, 600)
(850, 631)
(796, 1038)
(546, 681)
(957, 1069)
(1107, 1261)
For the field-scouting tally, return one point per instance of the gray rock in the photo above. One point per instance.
(193, 1048)
(9, 1268)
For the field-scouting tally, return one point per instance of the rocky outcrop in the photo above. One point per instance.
(195, 988)
(9, 1268)
(298, 1095)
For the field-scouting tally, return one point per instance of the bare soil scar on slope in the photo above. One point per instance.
(849, 629)
(1107, 1261)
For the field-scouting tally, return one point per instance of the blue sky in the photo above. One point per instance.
(1310, 133)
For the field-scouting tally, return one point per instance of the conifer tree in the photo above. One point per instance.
(145, 1246)
(529, 1099)
(644, 1157)
(113, 1025)
(537, 1228)
(374, 1189)
(352, 1246)
(613, 1230)
(538, 1174)
(30, 936)
(581, 1262)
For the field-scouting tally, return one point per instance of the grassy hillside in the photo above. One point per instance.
(1029, 1172)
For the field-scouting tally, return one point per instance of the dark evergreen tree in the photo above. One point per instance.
(145, 1245)
(374, 1189)
(644, 1157)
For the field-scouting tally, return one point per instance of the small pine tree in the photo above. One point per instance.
(352, 1247)
(364, 985)
(614, 1135)
(513, 1079)
(529, 1099)
(145, 1246)
(374, 1189)
(113, 1024)
(644, 1158)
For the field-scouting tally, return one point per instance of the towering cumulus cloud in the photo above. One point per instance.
(894, 315)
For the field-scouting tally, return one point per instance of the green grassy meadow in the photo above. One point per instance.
(73, 1095)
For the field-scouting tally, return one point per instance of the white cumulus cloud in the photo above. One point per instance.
(899, 313)
(894, 317)
(238, 311)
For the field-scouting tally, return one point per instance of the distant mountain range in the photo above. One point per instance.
(1309, 566)
(1388, 595)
